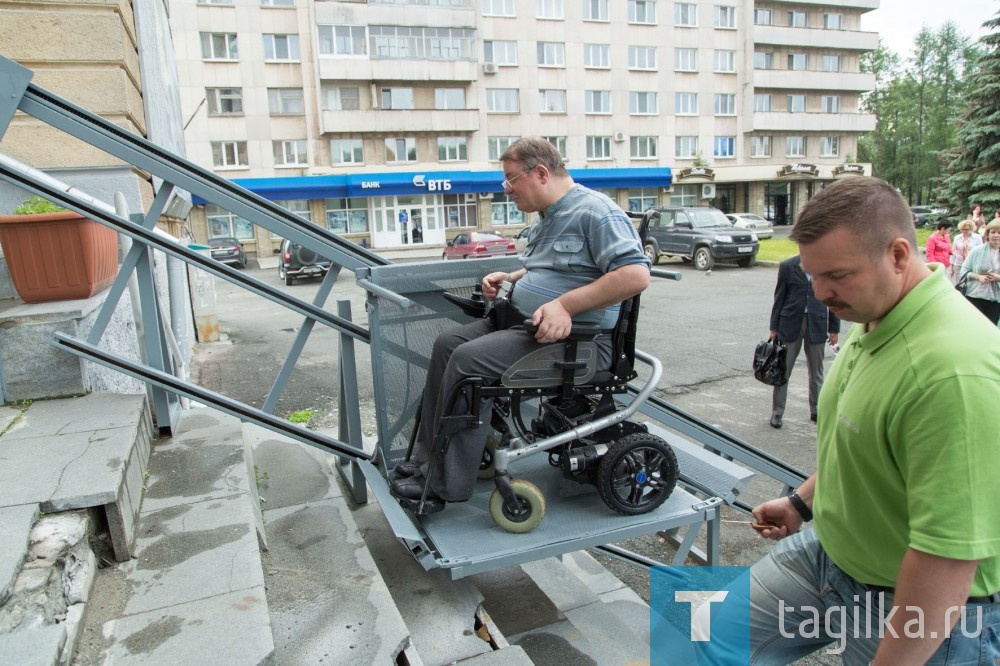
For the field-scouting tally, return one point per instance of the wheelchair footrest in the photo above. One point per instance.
(418, 508)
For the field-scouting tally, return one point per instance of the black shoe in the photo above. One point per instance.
(812, 417)
(412, 488)
(404, 470)
(775, 421)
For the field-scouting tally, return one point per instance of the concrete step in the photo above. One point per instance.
(327, 599)
(195, 591)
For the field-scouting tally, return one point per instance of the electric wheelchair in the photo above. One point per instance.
(556, 401)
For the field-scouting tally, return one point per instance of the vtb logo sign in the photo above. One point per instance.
(699, 615)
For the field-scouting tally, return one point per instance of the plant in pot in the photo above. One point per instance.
(54, 254)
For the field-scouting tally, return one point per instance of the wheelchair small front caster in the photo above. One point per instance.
(528, 513)
(487, 465)
(637, 474)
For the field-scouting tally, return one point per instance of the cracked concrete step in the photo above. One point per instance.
(327, 600)
(195, 591)
(96, 450)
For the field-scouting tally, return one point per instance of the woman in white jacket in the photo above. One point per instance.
(983, 266)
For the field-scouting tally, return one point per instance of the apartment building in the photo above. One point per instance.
(384, 119)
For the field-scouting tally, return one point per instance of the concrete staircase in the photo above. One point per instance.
(311, 579)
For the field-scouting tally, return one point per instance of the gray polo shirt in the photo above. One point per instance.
(574, 242)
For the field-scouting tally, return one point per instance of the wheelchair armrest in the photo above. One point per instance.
(578, 332)
(474, 306)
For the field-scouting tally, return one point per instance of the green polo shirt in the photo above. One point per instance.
(909, 443)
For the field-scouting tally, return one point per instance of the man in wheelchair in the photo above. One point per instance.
(583, 258)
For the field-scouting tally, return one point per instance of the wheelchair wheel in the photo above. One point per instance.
(487, 465)
(529, 497)
(637, 474)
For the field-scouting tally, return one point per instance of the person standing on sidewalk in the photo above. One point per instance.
(799, 319)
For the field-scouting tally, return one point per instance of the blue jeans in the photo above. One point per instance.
(798, 575)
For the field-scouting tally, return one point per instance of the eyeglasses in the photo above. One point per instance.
(508, 184)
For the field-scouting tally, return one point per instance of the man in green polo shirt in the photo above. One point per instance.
(903, 566)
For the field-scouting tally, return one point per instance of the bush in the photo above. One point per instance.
(36, 205)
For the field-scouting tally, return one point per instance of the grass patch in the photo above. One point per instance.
(302, 416)
(779, 249)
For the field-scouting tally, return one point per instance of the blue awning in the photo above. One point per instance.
(431, 182)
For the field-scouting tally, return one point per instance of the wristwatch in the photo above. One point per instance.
(801, 507)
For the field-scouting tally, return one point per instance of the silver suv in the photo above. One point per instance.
(699, 234)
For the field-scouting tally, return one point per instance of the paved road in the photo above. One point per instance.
(703, 328)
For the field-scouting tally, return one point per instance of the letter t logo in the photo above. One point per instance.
(701, 603)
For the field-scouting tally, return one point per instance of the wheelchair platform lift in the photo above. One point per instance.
(406, 311)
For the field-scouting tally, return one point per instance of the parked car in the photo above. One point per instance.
(700, 234)
(479, 244)
(521, 239)
(921, 215)
(228, 250)
(759, 225)
(298, 261)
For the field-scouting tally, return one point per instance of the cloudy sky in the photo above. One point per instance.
(899, 21)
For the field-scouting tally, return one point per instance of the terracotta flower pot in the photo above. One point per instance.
(58, 256)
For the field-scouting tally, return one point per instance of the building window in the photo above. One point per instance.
(397, 98)
(686, 147)
(760, 146)
(401, 150)
(725, 62)
(595, 10)
(298, 207)
(343, 99)
(347, 216)
(391, 42)
(559, 142)
(347, 151)
(763, 60)
(832, 21)
(829, 146)
(642, 11)
(686, 60)
(224, 101)
(796, 104)
(285, 101)
(724, 146)
(686, 14)
(725, 17)
(219, 46)
(500, 52)
(290, 153)
(831, 63)
(458, 211)
(447, 99)
(795, 146)
(503, 212)
(597, 56)
(496, 145)
(829, 103)
(498, 8)
(342, 40)
(642, 57)
(229, 154)
(684, 195)
(642, 198)
(552, 101)
(798, 61)
(762, 102)
(452, 149)
(642, 104)
(597, 101)
(798, 19)
(642, 148)
(221, 222)
(598, 147)
(281, 48)
(277, 3)
(502, 100)
(762, 17)
(215, 2)
(725, 104)
(551, 54)
(549, 9)
(686, 104)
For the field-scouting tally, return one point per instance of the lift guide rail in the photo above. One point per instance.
(406, 312)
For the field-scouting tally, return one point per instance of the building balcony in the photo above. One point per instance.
(364, 69)
(409, 121)
(863, 5)
(813, 122)
(786, 79)
(814, 38)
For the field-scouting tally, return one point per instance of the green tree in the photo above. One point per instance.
(973, 165)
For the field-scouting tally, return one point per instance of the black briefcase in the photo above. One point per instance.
(770, 362)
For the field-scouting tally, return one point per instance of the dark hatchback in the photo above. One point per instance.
(699, 234)
(228, 250)
(298, 261)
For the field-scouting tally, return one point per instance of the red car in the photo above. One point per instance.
(479, 244)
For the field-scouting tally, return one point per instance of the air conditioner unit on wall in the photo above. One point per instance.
(619, 136)
(489, 68)
(485, 195)
(708, 191)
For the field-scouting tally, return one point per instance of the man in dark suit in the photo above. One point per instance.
(797, 316)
